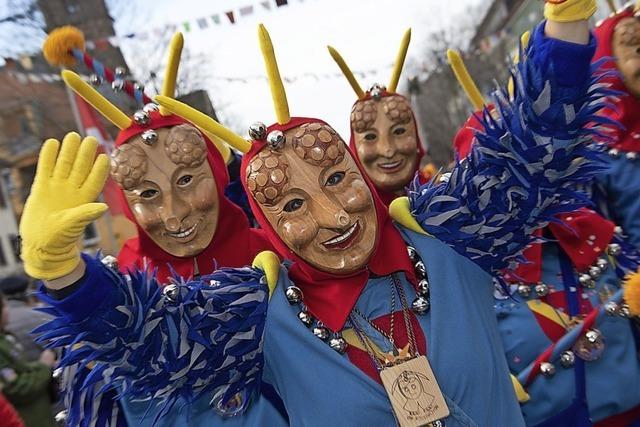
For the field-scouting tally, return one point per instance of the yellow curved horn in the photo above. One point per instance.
(524, 42)
(397, 66)
(347, 72)
(222, 146)
(204, 122)
(465, 80)
(171, 73)
(278, 93)
(612, 6)
(99, 102)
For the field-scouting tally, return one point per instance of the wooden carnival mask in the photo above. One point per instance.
(170, 188)
(315, 198)
(304, 181)
(383, 126)
(386, 140)
(166, 179)
(626, 49)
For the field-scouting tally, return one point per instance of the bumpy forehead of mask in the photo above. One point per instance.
(318, 144)
(397, 109)
(185, 146)
(363, 115)
(267, 176)
(628, 32)
(128, 165)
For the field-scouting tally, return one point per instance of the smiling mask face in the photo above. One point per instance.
(170, 188)
(315, 198)
(386, 141)
(626, 49)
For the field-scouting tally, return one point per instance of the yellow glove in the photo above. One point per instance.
(569, 10)
(268, 262)
(59, 206)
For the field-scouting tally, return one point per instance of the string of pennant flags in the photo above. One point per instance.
(229, 17)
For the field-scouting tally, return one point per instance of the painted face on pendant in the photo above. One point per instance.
(170, 189)
(315, 198)
(626, 49)
(386, 141)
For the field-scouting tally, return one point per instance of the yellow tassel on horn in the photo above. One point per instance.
(99, 102)
(347, 72)
(465, 80)
(278, 93)
(204, 122)
(397, 66)
(171, 73)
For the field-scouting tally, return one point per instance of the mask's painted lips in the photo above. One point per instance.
(344, 240)
(391, 167)
(185, 233)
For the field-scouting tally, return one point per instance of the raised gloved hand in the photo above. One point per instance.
(569, 10)
(68, 179)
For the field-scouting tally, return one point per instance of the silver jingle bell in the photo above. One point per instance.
(614, 249)
(611, 308)
(421, 270)
(338, 344)
(305, 318)
(61, 418)
(586, 281)
(110, 261)
(293, 294)
(631, 155)
(590, 346)
(624, 311)
(258, 131)
(524, 290)
(57, 373)
(602, 263)
(542, 290)
(149, 137)
(117, 85)
(171, 292)
(141, 118)
(614, 152)
(275, 139)
(547, 369)
(138, 86)
(423, 287)
(617, 229)
(567, 359)
(595, 272)
(95, 80)
(148, 108)
(234, 406)
(321, 332)
(420, 305)
(376, 91)
(413, 254)
(120, 71)
(444, 178)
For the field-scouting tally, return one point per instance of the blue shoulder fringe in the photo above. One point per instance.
(207, 341)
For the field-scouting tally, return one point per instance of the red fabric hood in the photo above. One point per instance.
(627, 107)
(234, 243)
(330, 297)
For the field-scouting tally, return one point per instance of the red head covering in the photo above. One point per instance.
(388, 196)
(234, 244)
(331, 297)
(627, 107)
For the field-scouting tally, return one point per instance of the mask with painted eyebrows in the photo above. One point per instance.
(386, 141)
(170, 188)
(315, 198)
